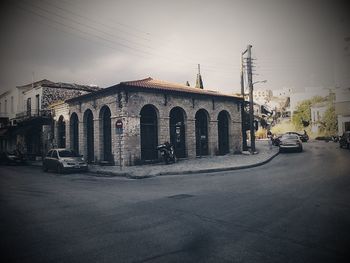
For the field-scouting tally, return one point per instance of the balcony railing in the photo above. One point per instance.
(33, 114)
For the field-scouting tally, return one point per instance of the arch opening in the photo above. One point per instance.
(149, 132)
(61, 133)
(223, 132)
(106, 134)
(177, 131)
(201, 132)
(89, 135)
(74, 132)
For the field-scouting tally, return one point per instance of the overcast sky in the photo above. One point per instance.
(296, 43)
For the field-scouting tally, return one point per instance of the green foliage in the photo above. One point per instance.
(329, 122)
(303, 112)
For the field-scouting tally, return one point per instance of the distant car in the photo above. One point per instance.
(12, 157)
(290, 142)
(276, 139)
(324, 138)
(62, 160)
(303, 136)
(344, 140)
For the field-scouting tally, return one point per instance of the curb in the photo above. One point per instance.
(212, 170)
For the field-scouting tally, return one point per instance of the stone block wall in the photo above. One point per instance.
(127, 105)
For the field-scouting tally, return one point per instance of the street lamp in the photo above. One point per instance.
(260, 81)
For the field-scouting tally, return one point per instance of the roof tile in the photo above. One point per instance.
(151, 83)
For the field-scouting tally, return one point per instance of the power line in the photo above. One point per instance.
(192, 60)
(208, 68)
(86, 25)
(102, 40)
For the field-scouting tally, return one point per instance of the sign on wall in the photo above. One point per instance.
(119, 127)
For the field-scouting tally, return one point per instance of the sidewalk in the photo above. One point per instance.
(198, 165)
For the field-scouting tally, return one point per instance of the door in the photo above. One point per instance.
(177, 131)
(149, 133)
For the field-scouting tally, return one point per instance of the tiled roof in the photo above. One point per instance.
(155, 84)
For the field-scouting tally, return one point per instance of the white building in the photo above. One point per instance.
(342, 109)
(25, 115)
(283, 92)
(262, 95)
(309, 93)
(317, 112)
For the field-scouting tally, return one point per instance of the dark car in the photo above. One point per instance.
(61, 160)
(276, 139)
(304, 137)
(344, 140)
(290, 142)
(12, 157)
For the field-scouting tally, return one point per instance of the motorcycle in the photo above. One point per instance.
(167, 151)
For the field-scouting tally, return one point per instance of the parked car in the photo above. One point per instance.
(276, 139)
(290, 142)
(303, 136)
(324, 138)
(62, 160)
(344, 140)
(12, 157)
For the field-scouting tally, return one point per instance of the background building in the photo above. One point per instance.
(317, 112)
(26, 116)
(342, 109)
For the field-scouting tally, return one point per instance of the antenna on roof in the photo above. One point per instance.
(199, 81)
(32, 79)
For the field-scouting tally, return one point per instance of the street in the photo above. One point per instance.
(293, 209)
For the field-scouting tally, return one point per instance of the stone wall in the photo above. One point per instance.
(127, 106)
(52, 95)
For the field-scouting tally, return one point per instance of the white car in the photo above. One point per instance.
(290, 142)
(62, 160)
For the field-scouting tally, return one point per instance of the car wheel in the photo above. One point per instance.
(59, 169)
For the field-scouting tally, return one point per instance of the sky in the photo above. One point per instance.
(295, 43)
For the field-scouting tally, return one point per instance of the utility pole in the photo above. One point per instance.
(251, 103)
(244, 132)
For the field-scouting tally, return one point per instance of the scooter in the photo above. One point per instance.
(167, 151)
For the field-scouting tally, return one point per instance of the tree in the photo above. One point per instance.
(302, 115)
(329, 121)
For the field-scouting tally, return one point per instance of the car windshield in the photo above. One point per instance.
(290, 137)
(67, 153)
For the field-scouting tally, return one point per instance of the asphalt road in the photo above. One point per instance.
(294, 209)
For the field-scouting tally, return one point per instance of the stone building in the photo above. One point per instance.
(197, 121)
(26, 119)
